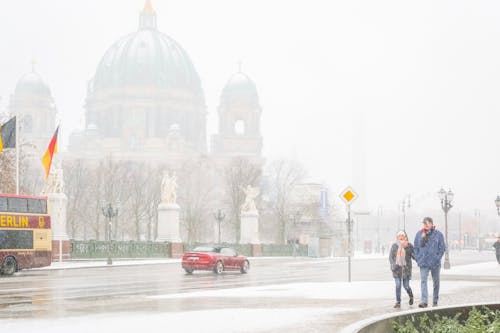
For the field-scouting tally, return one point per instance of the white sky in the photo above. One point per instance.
(426, 75)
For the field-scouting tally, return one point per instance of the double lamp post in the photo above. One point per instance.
(446, 199)
(109, 212)
(219, 216)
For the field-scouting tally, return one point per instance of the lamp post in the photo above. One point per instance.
(497, 203)
(446, 199)
(219, 216)
(477, 215)
(109, 212)
(379, 215)
(405, 203)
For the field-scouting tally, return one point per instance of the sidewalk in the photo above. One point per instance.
(90, 263)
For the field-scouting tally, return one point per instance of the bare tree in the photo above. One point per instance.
(283, 175)
(153, 198)
(238, 174)
(76, 180)
(138, 178)
(195, 192)
(8, 171)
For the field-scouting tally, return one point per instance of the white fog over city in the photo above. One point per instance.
(249, 166)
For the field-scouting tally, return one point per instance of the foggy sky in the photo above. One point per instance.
(425, 74)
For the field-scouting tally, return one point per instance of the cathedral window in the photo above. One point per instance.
(239, 127)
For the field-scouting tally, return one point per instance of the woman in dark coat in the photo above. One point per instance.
(400, 258)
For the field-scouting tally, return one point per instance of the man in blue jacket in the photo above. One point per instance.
(429, 249)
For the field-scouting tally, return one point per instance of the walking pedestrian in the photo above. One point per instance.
(429, 249)
(496, 245)
(400, 257)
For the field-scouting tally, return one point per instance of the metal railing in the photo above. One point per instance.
(93, 249)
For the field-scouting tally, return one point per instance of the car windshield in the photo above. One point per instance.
(205, 249)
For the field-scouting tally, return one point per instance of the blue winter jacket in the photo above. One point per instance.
(430, 249)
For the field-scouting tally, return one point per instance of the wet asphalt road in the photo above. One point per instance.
(84, 291)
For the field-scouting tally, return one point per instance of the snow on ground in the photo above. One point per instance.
(491, 268)
(358, 290)
(102, 263)
(241, 320)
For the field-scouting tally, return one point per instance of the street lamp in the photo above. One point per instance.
(477, 215)
(379, 215)
(109, 212)
(219, 216)
(446, 199)
(497, 202)
(405, 203)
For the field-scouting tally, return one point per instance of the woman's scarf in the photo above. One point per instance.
(400, 256)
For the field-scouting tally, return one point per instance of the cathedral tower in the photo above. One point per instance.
(32, 102)
(239, 119)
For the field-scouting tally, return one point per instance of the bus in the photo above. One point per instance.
(25, 234)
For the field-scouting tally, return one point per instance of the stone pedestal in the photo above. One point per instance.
(61, 250)
(176, 250)
(57, 204)
(168, 223)
(249, 228)
(256, 250)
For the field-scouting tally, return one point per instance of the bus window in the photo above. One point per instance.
(3, 204)
(17, 205)
(37, 206)
(16, 239)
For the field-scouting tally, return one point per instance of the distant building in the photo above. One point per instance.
(145, 103)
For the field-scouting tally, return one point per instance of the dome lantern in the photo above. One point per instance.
(147, 18)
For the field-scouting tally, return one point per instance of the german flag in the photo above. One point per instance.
(8, 134)
(51, 150)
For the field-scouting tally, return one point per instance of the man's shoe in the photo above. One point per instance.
(422, 305)
(434, 304)
(411, 301)
(397, 306)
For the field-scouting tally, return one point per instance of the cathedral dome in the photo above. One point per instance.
(146, 57)
(240, 86)
(32, 83)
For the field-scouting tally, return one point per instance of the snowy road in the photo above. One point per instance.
(278, 295)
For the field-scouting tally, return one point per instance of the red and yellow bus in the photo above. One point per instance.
(25, 234)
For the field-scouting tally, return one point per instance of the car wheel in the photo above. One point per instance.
(9, 266)
(245, 267)
(189, 270)
(218, 267)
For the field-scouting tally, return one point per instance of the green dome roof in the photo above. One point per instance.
(146, 57)
(240, 86)
(32, 83)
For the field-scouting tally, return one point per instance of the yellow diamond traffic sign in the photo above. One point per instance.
(348, 195)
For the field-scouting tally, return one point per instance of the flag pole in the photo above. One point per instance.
(17, 151)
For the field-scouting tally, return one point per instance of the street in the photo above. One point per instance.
(297, 294)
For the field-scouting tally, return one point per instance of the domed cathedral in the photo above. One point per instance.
(239, 119)
(145, 99)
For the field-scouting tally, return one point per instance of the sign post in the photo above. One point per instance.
(348, 196)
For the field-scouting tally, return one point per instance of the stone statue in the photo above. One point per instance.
(168, 188)
(250, 194)
(55, 182)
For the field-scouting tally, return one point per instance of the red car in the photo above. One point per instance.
(214, 258)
